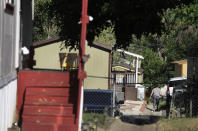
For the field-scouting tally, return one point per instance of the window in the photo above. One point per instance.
(9, 6)
(178, 83)
(68, 61)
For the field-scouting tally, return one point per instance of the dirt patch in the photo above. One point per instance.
(178, 124)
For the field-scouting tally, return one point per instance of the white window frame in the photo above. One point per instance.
(9, 6)
(11, 2)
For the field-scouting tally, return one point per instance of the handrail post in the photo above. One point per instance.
(81, 71)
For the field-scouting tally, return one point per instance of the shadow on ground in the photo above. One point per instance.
(140, 119)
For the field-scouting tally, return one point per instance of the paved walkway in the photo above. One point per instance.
(132, 107)
(138, 108)
(136, 116)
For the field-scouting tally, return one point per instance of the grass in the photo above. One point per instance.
(89, 117)
(162, 104)
(178, 124)
(148, 100)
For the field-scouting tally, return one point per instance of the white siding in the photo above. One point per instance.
(7, 43)
(8, 105)
(9, 57)
(1, 31)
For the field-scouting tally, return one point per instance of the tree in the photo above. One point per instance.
(181, 30)
(154, 68)
(160, 49)
(44, 24)
(128, 17)
(106, 37)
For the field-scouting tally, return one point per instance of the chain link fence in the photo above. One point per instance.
(99, 105)
(98, 101)
(104, 101)
(177, 104)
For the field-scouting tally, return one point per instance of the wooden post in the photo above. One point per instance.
(81, 72)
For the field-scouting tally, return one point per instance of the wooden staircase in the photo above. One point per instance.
(49, 108)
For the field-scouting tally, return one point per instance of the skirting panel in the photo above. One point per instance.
(8, 105)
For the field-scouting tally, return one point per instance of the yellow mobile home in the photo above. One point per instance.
(52, 55)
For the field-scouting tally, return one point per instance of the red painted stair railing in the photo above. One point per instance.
(47, 101)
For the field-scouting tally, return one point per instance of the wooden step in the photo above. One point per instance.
(48, 110)
(48, 127)
(49, 100)
(34, 91)
(69, 119)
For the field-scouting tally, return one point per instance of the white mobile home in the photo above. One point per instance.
(15, 32)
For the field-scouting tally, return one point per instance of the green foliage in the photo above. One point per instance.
(181, 28)
(181, 17)
(138, 17)
(128, 17)
(162, 104)
(154, 68)
(44, 24)
(90, 117)
(106, 37)
(159, 50)
(180, 31)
